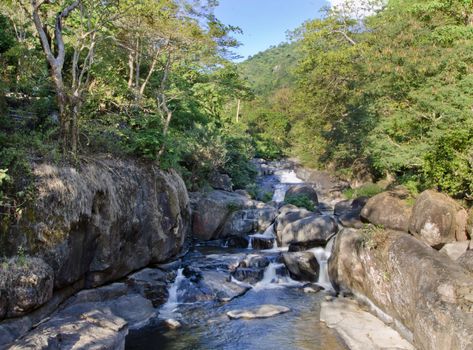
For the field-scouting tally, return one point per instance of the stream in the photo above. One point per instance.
(206, 288)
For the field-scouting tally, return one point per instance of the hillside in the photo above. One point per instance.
(271, 69)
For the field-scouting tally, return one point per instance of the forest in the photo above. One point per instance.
(385, 92)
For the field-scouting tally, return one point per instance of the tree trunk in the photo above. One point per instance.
(238, 111)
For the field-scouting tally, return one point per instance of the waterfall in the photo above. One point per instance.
(286, 178)
(173, 301)
(271, 279)
(250, 242)
(322, 255)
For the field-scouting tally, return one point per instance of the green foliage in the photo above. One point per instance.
(391, 93)
(301, 201)
(366, 190)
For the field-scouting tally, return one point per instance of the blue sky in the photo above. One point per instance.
(265, 22)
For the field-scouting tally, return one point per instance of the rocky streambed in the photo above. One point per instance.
(383, 272)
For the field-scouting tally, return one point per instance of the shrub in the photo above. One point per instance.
(367, 190)
(301, 201)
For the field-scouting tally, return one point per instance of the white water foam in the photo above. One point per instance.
(271, 279)
(286, 178)
(168, 309)
(322, 255)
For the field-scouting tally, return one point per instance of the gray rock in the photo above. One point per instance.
(262, 311)
(455, 249)
(262, 243)
(359, 329)
(248, 275)
(98, 330)
(221, 182)
(26, 283)
(388, 209)
(103, 220)
(303, 190)
(255, 261)
(437, 219)
(312, 231)
(288, 215)
(466, 260)
(220, 214)
(302, 266)
(424, 291)
(348, 212)
(151, 284)
(247, 221)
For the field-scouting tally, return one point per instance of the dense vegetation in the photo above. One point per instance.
(388, 94)
(135, 78)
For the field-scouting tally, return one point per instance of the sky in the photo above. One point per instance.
(265, 22)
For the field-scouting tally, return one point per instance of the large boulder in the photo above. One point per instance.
(437, 219)
(221, 214)
(103, 316)
(287, 215)
(302, 266)
(466, 260)
(102, 220)
(25, 284)
(429, 296)
(311, 231)
(243, 222)
(388, 209)
(348, 212)
(303, 190)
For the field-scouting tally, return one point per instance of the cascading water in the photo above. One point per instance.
(286, 178)
(322, 255)
(250, 242)
(273, 279)
(168, 309)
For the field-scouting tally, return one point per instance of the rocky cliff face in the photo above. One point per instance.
(99, 222)
(425, 291)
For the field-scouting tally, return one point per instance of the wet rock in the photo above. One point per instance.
(426, 292)
(466, 260)
(359, 329)
(248, 275)
(313, 231)
(388, 209)
(455, 250)
(255, 261)
(312, 289)
(220, 181)
(214, 285)
(262, 311)
(26, 283)
(302, 266)
(262, 243)
(437, 219)
(303, 190)
(151, 284)
(236, 242)
(172, 323)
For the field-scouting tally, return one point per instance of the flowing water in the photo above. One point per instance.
(205, 324)
(201, 300)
